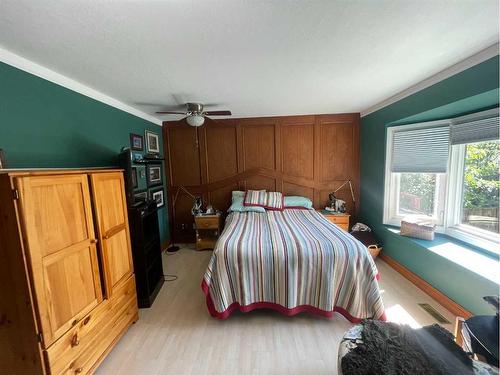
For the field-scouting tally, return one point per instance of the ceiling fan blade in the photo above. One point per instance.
(217, 113)
(171, 113)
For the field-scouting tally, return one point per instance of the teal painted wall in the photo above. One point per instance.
(44, 125)
(471, 90)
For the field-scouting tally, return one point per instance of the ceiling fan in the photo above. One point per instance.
(195, 114)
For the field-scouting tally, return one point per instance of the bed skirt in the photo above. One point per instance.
(277, 307)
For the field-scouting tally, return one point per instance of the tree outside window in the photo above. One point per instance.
(481, 186)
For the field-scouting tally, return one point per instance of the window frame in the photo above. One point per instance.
(453, 226)
(394, 218)
(391, 216)
(450, 221)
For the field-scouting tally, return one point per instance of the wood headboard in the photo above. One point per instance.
(297, 155)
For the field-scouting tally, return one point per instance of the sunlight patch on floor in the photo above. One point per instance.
(397, 314)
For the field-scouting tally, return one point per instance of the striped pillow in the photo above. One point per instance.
(271, 200)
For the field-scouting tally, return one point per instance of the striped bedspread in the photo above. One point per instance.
(290, 261)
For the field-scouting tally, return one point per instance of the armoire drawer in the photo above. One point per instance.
(88, 359)
(79, 342)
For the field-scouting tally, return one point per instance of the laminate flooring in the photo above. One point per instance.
(178, 336)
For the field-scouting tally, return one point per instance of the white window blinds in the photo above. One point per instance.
(477, 130)
(421, 150)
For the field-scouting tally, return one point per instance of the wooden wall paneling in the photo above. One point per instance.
(295, 189)
(183, 219)
(317, 156)
(239, 147)
(258, 150)
(184, 156)
(338, 155)
(300, 155)
(297, 146)
(202, 146)
(356, 161)
(221, 159)
(182, 147)
(335, 150)
(277, 153)
(168, 177)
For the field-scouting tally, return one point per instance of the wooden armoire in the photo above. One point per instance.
(67, 288)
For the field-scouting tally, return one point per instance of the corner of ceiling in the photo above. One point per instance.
(31, 67)
(469, 62)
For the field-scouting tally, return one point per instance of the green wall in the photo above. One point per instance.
(44, 125)
(472, 90)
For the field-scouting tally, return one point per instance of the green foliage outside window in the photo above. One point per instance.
(481, 177)
(417, 193)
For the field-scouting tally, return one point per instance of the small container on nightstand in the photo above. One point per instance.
(340, 219)
(208, 229)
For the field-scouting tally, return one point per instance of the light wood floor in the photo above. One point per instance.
(178, 336)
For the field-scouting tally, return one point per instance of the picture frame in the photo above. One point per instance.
(158, 196)
(141, 196)
(137, 157)
(136, 142)
(152, 142)
(133, 177)
(154, 175)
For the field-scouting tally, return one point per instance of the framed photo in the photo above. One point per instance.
(141, 197)
(136, 142)
(152, 142)
(157, 195)
(154, 175)
(137, 157)
(134, 178)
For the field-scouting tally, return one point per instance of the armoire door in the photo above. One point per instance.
(112, 226)
(56, 217)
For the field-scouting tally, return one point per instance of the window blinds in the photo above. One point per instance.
(421, 150)
(479, 130)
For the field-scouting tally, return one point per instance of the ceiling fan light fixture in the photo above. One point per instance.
(195, 120)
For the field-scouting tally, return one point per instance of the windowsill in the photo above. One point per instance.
(460, 253)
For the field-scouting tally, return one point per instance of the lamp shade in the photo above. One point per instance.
(195, 120)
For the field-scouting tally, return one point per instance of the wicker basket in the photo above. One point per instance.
(374, 251)
(417, 230)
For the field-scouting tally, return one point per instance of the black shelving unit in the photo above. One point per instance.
(144, 234)
(146, 251)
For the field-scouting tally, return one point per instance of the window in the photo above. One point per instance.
(447, 173)
(480, 189)
(417, 195)
(416, 172)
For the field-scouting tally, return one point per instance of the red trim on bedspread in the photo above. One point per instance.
(276, 307)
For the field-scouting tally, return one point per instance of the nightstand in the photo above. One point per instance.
(340, 219)
(208, 229)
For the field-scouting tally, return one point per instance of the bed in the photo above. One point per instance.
(291, 261)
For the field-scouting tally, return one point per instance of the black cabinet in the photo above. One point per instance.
(146, 251)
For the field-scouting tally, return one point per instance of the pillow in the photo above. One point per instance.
(240, 194)
(298, 202)
(235, 194)
(271, 200)
(237, 204)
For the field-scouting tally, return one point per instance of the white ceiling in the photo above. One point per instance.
(256, 58)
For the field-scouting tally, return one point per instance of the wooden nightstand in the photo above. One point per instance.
(341, 220)
(208, 229)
